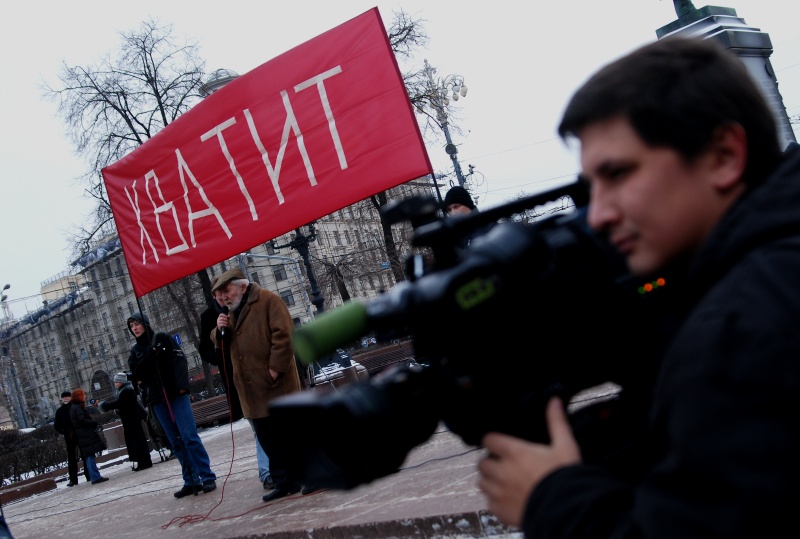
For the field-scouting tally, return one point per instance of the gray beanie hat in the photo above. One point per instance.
(121, 377)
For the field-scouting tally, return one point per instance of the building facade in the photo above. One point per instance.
(79, 338)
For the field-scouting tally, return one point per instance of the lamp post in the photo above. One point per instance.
(4, 303)
(15, 396)
(295, 268)
(438, 97)
(300, 244)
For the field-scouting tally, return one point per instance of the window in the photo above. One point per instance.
(254, 278)
(336, 238)
(287, 297)
(279, 271)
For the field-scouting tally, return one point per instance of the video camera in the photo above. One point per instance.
(525, 312)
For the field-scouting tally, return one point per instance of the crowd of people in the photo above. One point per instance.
(157, 384)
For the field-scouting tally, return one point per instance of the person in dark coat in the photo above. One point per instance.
(63, 425)
(689, 181)
(458, 204)
(213, 355)
(131, 413)
(159, 363)
(86, 433)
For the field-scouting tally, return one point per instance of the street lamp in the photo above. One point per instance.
(300, 244)
(4, 303)
(440, 93)
(295, 266)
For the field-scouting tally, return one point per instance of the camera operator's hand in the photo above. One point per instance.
(514, 466)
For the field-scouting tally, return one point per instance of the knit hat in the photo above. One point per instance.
(65, 394)
(121, 377)
(458, 195)
(228, 276)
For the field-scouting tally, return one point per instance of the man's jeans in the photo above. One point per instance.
(261, 457)
(186, 443)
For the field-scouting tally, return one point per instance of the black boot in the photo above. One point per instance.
(187, 490)
(143, 466)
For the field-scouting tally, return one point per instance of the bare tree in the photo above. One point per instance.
(117, 105)
(114, 107)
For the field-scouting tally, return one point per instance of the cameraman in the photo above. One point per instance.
(688, 179)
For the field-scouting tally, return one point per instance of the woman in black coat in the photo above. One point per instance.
(132, 413)
(89, 440)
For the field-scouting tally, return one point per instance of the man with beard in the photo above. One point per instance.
(258, 329)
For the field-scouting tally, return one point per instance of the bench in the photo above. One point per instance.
(377, 359)
(211, 412)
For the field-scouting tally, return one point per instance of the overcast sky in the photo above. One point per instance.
(520, 63)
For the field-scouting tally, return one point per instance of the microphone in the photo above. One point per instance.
(224, 311)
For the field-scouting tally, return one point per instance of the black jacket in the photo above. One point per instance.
(213, 355)
(208, 321)
(85, 427)
(724, 424)
(131, 414)
(63, 423)
(158, 363)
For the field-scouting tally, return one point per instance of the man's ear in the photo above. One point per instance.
(729, 151)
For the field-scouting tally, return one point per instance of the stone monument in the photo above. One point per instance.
(753, 47)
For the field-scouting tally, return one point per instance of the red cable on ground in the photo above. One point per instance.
(188, 519)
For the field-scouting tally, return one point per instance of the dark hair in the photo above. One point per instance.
(676, 92)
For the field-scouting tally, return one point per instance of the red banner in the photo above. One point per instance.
(316, 129)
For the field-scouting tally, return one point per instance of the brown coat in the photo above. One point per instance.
(262, 340)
